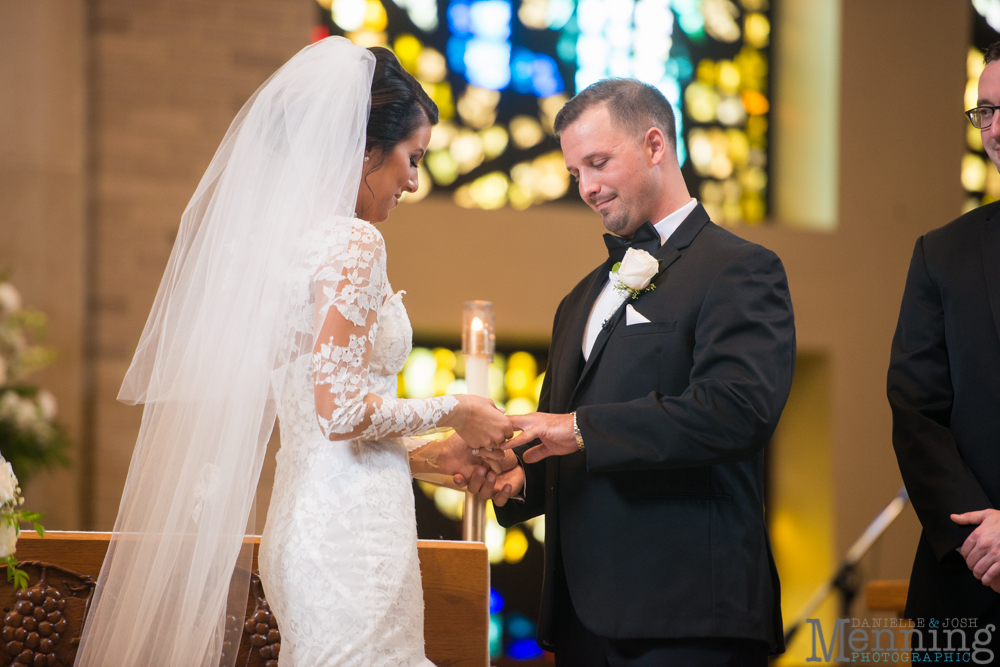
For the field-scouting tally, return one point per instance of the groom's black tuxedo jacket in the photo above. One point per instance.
(944, 390)
(658, 526)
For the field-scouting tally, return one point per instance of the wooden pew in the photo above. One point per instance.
(455, 578)
(888, 595)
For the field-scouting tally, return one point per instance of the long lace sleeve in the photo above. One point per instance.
(348, 294)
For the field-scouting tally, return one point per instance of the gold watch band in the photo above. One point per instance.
(576, 432)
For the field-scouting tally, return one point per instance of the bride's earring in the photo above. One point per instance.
(367, 158)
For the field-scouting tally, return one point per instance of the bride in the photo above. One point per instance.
(275, 301)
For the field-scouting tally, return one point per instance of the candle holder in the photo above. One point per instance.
(478, 329)
(478, 345)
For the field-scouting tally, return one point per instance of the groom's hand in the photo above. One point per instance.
(555, 432)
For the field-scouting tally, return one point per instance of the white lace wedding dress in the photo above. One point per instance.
(338, 557)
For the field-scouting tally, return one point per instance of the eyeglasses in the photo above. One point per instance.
(981, 117)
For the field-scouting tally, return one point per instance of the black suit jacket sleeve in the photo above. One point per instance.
(744, 354)
(920, 394)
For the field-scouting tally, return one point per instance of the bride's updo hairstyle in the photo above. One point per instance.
(399, 105)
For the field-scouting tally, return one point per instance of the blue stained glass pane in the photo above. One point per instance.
(559, 13)
(520, 70)
(679, 69)
(546, 78)
(487, 64)
(496, 636)
(524, 649)
(535, 74)
(566, 47)
(519, 627)
(496, 602)
(490, 19)
(459, 21)
(456, 54)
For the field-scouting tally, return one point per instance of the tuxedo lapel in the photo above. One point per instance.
(668, 253)
(990, 248)
(570, 353)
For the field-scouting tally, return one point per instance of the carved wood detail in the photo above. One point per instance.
(42, 624)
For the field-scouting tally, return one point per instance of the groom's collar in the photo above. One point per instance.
(687, 230)
(666, 227)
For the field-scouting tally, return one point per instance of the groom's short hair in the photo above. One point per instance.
(633, 105)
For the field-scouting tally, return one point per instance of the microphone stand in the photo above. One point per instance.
(846, 580)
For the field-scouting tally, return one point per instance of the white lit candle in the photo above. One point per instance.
(478, 343)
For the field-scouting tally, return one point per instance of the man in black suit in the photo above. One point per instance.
(944, 390)
(647, 455)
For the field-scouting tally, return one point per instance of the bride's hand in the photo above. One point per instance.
(480, 423)
(456, 459)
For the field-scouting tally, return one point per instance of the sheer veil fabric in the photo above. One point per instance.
(222, 331)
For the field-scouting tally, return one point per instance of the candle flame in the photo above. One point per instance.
(477, 324)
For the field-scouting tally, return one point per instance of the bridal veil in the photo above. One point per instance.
(220, 333)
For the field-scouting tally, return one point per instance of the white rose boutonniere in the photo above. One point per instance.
(635, 273)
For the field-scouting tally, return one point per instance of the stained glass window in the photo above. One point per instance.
(500, 71)
(980, 178)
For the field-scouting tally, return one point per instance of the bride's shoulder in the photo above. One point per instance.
(344, 231)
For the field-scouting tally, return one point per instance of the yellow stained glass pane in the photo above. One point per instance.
(375, 17)
(992, 182)
(515, 546)
(729, 78)
(755, 103)
(974, 63)
(431, 66)
(708, 72)
(974, 138)
(757, 29)
(445, 358)
(443, 167)
(971, 93)
(973, 172)
(525, 131)
(467, 149)
(702, 102)
(494, 141)
(739, 146)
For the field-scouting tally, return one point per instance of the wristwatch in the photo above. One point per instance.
(576, 432)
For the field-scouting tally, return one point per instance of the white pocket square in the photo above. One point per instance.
(633, 316)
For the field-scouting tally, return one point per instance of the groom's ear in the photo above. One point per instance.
(655, 145)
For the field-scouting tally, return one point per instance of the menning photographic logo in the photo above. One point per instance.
(892, 640)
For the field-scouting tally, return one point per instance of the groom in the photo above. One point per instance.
(647, 456)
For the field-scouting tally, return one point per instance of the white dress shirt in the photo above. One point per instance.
(611, 299)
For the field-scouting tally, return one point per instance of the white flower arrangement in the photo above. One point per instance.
(11, 516)
(30, 437)
(632, 276)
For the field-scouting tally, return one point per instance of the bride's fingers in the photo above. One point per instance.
(494, 466)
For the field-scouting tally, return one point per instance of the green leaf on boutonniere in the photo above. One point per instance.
(614, 269)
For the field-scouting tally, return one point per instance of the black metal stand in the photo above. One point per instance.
(847, 581)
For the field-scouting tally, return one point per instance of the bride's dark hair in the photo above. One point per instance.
(399, 104)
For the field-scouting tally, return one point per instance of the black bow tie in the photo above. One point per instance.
(645, 238)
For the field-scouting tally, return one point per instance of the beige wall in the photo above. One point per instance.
(164, 80)
(42, 200)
